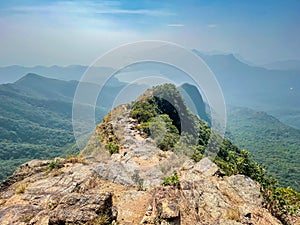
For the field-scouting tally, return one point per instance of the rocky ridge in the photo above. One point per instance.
(138, 184)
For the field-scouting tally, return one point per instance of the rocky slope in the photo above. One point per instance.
(138, 184)
(86, 193)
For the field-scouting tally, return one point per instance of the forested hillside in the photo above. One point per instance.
(34, 123)
(36, 118)
(272, 143)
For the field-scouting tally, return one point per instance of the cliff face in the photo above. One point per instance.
(137, 184)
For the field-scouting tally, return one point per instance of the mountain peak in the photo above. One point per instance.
(35, 85)
(33, 79)
(29, 77)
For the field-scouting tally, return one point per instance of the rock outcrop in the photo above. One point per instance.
(80, 194)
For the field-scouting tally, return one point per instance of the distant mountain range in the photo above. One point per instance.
(11, 74)
(276, 91)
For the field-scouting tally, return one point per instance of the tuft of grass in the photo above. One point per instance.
(55, 164)
(233, 214)
(21, 188)
(74, 159)
(172, 180)
(57, 173)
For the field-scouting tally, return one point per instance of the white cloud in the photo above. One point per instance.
(175, 25)
(63, 32)
(82, 14)
(86, 7)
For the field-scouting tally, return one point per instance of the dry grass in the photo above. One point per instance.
(21, 188)
(233, 214)
(74, 159)
(56, 173)
(162, 155)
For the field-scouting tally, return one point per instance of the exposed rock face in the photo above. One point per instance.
(125, 188)
(205, 198)
(76, 194)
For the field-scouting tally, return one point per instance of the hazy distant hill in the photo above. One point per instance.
(272, 143)
(284, 65)
(35, 118)
(274, 91)
(256, 87)
(11, 74)
(194, 99)
(33, 123)
(36, 86)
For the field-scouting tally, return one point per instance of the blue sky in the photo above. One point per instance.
(76, 32)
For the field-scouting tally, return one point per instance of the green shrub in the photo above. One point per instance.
(198, 152)
(288, 200)
(172, 180)
(144, 128)
(55, 164)
(143, 111)
(112, 147)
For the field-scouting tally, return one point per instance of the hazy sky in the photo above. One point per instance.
(57, 32)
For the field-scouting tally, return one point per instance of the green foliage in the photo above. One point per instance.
(144, 128)
(32, 127)
(112, 147)
(143, 111)
(271, 143)
(55, 164)
(164, 132)
(168, 142)
(172, 180)
(9, 166)
(204, 133)
(161, 115)
(198, 153)
(170, 102)
(287, 199)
